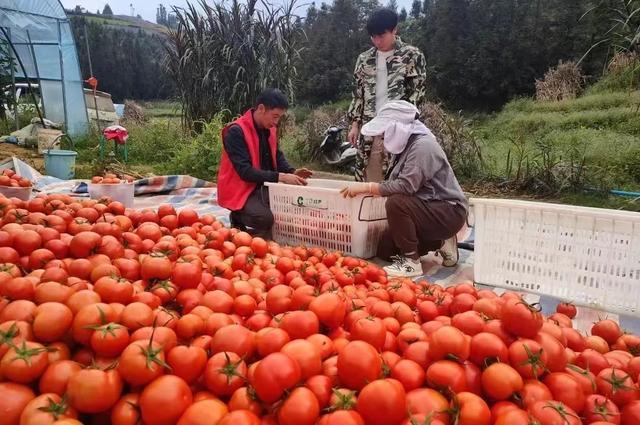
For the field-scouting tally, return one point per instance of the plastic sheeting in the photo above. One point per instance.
(41, 34)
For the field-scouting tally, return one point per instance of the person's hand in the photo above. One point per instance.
(354, 133)
(291, 179)
(354, 190)
(304, 173)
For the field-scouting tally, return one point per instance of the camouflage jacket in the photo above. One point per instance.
(407, 73)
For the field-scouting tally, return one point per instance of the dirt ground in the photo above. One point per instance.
(30, 156)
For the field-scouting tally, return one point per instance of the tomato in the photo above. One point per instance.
(240, 417)
(141, 362)
(449, 341)
(165, 400)
(409, 373)
(24, 363)
(369, 329)
(225, 372)
(566, 389)
(202, 412)
(358, 363)
(57, 375)
(631, 413)
(446, 374)
(521, 319)
(275, 374)
(15, 398)
(46, 409)
(500, 381)
(616, 385)
(52, 321)
(528, 358)
(94, 390)
(486, 347)
(568, 309)
(554, 412)
(234, 338)
(607, 329)
(342, 417)
(187, 362)
(600, 408)
(306, 354)
(469, 409)
(330, 309)
(243, 399)
(592, 360)
(382, 402)
(300, 408)
(12, 333)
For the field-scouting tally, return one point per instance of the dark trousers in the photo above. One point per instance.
(256, 216)
(417, 226)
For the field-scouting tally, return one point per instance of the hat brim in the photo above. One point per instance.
(375, 127)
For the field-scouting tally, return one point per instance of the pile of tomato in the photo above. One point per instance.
(114, 315)
(10, 178)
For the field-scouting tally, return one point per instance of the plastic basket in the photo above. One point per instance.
(22, 193)
(121, 192)
(590, 256)
(317, 215)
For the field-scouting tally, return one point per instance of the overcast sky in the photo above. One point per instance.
(147, 8)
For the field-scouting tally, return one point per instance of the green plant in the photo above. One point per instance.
(223, 56)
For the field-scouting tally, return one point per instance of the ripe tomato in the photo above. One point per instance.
(15, 398)
(447, 375)
(275, 374)
(187, 362)
(203, 412)
(449, 341)
(141, 362)
(528, 358)
(46, 409)
(554, 412)
(358, 364)
(500, 381)
(165, 399)
(521, 319)
(225, 372)
(469, 409)
(568, 309)
(240, 417)
(94, 390)
(24, 363)
(57, 375)
(616, 385)
(300, 408)
(382, 402)
(409, 373)
(600, 408)
(486, 347)
(566, 389)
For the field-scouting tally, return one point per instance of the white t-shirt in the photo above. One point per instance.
(381, 78)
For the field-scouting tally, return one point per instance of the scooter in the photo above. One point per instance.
(337, 152)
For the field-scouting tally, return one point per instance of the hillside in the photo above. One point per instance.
(592, 141)
(122, 22)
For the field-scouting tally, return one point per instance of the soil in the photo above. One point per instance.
(30, 156)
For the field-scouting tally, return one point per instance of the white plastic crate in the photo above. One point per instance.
(318, 215)
(590, 256)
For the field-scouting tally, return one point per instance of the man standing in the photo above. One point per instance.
(391, 70)
(251, 157)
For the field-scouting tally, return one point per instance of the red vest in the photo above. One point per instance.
(232, 190)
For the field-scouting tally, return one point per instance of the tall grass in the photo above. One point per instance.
(223, 55)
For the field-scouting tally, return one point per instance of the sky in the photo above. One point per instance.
(147, 8)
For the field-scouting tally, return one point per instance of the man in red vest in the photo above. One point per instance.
(251, 157)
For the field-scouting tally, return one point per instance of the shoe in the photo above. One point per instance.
(449, 252)
(404, 267)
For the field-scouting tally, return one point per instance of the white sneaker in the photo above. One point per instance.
(404, 267)
(449, 252)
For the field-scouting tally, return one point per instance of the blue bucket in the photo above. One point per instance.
(60, 163)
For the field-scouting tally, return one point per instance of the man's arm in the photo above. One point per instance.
(238, 152)
(356, 108)
(417, 80)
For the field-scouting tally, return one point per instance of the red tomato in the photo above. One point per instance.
(382, 402)
(521, 319)
(165, 399)
(358, 363)
(275, 374)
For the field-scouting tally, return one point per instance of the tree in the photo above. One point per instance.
(403, 15)
(107, 10)
(6, 65)
(427, 8)
(393, 5)
(78, 9)
(416, 9)
(161, 15)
